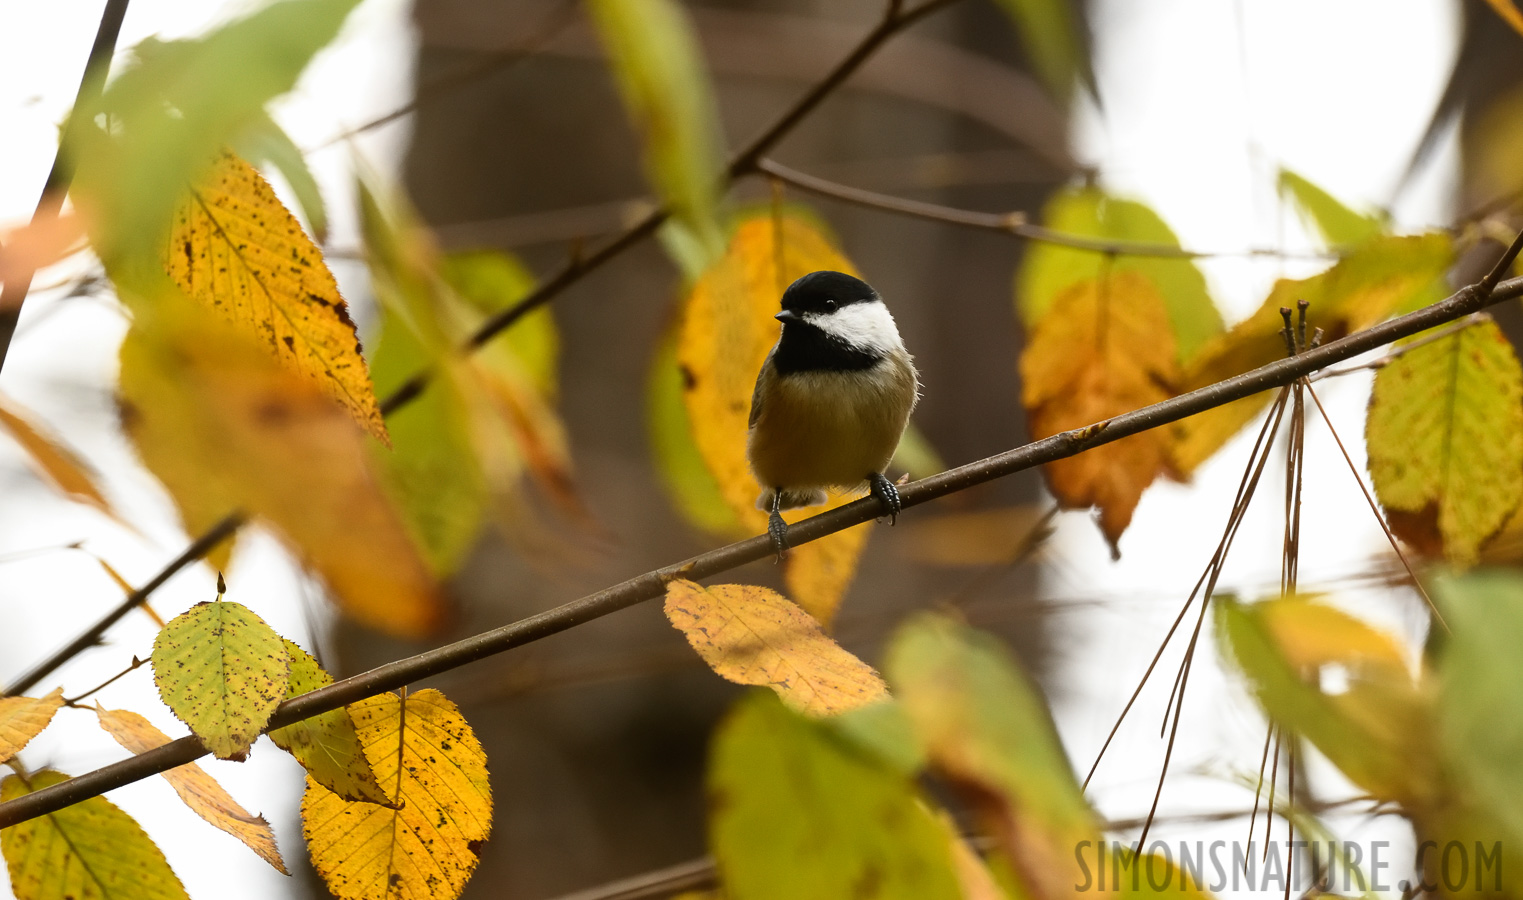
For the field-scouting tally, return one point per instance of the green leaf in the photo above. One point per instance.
(1089, 212)
(985, 727)
(1338, 225)
(265, 142)
(1052, 40)
(431, 471)
(327, 745)
(177, 107)
(1373, 731)
(89, 851)
(1480, 707)
(222, 671)
(491, 281)
(916, 455)
(796, 813)
(678, 460)
(660, 72)
(1445, 438)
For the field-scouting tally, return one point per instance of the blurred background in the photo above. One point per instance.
(518, 141)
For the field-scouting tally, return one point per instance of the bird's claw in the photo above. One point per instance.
(777, 529)
(884, 491)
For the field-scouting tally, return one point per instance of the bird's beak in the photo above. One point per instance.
(787, 316)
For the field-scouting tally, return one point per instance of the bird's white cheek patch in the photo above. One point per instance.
(869, 326)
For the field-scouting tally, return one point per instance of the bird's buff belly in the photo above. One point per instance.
(802, 441)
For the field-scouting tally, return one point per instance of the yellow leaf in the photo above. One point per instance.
(327, 745)
(677, 459)
(428, 846)
(1102, 349)
(54, 461)
(23, 718)
(222, 671)
(200, 791)
(1445, 436)
(88, 851)
(225, 429)
(235, 248)
(752, 635)
(1385, 276)
(1311, 634)
(726, 332)
(1509, 13)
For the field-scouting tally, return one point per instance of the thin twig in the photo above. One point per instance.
(653, 584)
(199, 548)
(136, 663)
(1401, 350)
(1375, 510)
(13, 294)
(1014, 224)
(556, 21)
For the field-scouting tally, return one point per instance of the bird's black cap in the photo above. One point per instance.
(825, 291)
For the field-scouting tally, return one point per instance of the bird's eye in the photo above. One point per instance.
(830, 306)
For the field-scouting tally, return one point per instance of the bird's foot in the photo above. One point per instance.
(885, 493)
(777, 529)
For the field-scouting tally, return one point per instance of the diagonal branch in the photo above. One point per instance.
(652, 584)
(62, 174)
(894, 21)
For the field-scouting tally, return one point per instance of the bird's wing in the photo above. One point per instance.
(756, 393)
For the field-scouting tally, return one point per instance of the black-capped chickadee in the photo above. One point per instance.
(831, 401)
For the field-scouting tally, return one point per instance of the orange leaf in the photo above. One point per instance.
(200, 791)
(52, 459)
(226, 429)
(1104, 348)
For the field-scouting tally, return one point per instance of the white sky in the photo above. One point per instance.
(1203, 99)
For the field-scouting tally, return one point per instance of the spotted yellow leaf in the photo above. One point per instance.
(199, 790)
(222, 671)
(726, 331)
(88, 851)
(429, 844)
(753, 635)
(1103, 348)
(1445, 436)
(327, 745)
(235, 248)
(23, 718)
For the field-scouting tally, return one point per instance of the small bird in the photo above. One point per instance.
(831, 401)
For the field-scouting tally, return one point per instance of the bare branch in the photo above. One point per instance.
(13, 295)
(1014, 224)
(652, 584)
